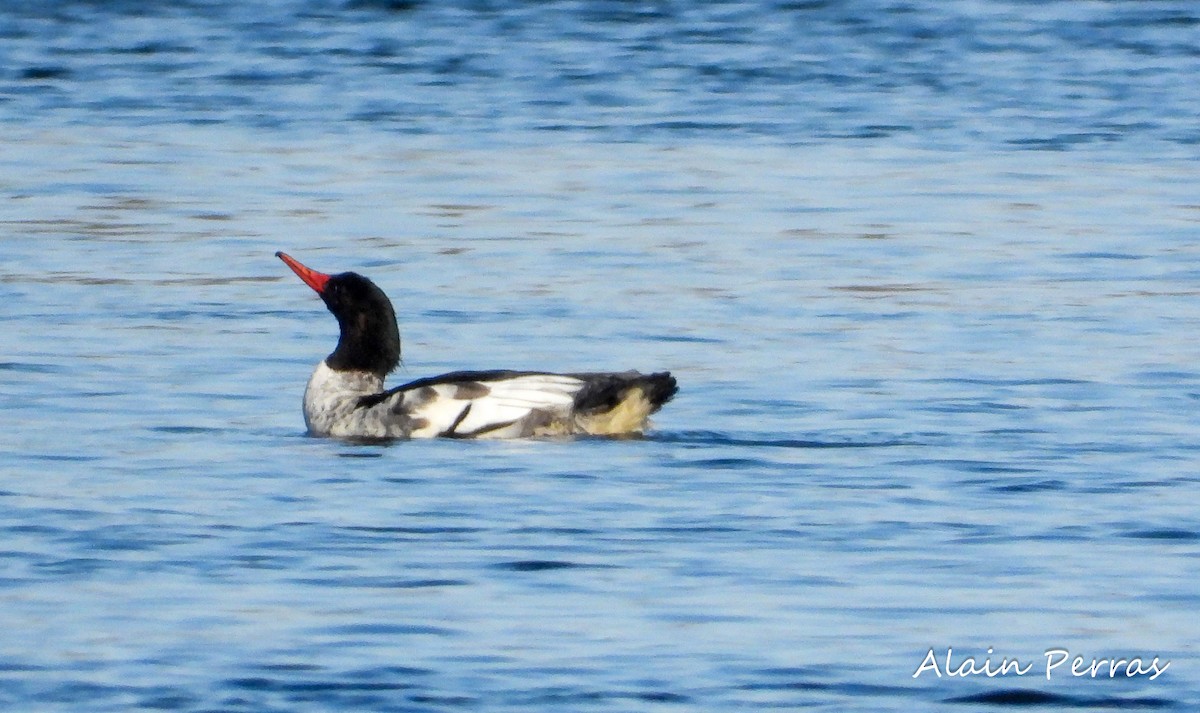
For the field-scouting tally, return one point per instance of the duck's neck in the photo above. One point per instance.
(369, 342)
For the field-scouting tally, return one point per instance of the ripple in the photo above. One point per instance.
(188, 430)
(262, 683)
(716, 438)
(1103, 256)
(31, 368)
(380, 629)
(566, 696)
(1166, 533)
(538, 565)
(1028, 698)
(1031, 486)
(73, 567)
(432, 530)
(65, 457)
(45, 72)
(722, 463)
(380, 582)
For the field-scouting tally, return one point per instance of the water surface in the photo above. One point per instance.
(926, 273)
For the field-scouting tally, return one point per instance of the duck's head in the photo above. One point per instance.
(369, 340)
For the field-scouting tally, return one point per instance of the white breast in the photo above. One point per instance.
(331, 404)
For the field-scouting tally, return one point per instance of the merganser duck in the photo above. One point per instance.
(345, 397)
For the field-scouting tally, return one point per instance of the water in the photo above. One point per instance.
(926, 273)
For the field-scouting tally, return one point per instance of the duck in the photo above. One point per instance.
(346, 397)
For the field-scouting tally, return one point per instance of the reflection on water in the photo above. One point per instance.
(929, 297)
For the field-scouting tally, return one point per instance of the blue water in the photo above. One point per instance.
(927, 273)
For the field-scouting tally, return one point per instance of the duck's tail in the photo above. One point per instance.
(614, 404)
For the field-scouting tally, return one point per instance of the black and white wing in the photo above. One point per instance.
(515, 404)
(486, 404)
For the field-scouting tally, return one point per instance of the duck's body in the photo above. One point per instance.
(346, 398)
